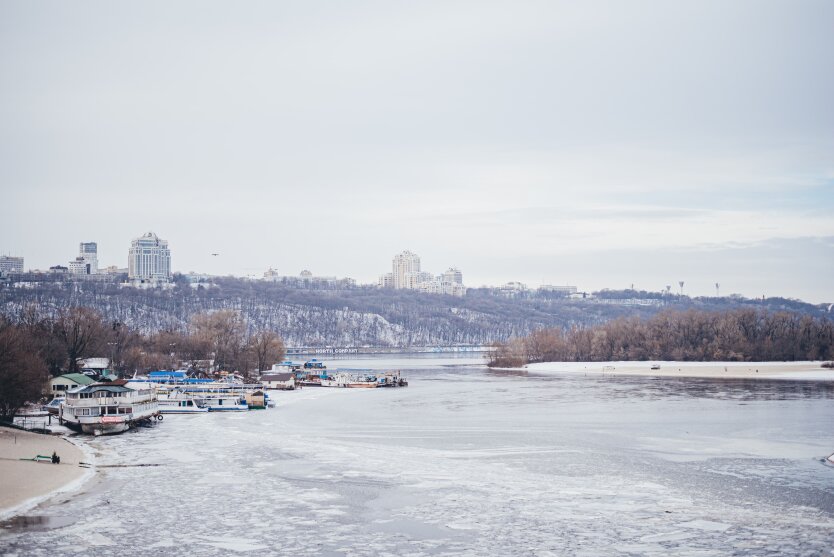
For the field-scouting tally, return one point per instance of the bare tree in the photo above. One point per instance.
(81, 332)
(22, 372)
(224, 332)
(267, 348)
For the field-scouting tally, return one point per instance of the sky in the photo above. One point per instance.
(596, 144)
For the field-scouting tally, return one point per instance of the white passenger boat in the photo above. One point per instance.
(182, 406)
(108, 407)
(225, 403)
(176, 401)
(350, 381)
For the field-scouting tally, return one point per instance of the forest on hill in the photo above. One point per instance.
(358, 315)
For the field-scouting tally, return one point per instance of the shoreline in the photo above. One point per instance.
(790, 371)
(25, 484)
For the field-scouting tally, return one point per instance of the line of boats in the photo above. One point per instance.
(314, 373)
(116, 406)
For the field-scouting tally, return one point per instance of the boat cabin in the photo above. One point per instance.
(282, 381)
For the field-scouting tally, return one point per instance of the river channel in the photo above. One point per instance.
(466, 461)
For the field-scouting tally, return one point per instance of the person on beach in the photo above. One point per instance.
(55, 458)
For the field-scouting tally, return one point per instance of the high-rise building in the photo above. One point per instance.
(453, 276)
(407, 274)
(149, 259)
(386, 280)
(87, 261)
(89, 252)
(405, 265)
(9, 264)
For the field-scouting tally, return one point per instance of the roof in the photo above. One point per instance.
(116, 383)
(164, 373)
(79, 378)
(277, 377)
(111, 387)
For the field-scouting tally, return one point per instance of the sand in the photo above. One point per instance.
(799, 371)
(24, 483)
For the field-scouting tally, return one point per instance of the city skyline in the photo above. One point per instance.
(688, 288)
(543, 142)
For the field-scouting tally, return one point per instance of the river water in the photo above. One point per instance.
(467, 461)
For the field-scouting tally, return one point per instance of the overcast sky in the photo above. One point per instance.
(600, 144)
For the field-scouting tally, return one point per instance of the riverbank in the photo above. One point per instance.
(25, 483)
(798, 371)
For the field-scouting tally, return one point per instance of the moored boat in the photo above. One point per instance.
(177, 401)
(108, 407)
(225, 402)
(54, 406)
(350, 381)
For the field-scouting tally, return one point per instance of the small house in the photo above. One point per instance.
(282, 381)
(61, 384)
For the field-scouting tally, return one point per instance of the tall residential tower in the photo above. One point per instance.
(406, 266)
(149, 260)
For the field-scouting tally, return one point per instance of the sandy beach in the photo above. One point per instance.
(24, 483)
(798, 371)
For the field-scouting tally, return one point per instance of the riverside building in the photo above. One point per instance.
(149, 260)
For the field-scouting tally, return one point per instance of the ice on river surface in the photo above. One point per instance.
(469, 461)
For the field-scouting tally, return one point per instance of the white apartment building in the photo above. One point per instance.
(9, 264)
(453, 275)
(386, 280)
(566, 290)
(407, 275)
(149, 260)
(405, 264)
(79, 266)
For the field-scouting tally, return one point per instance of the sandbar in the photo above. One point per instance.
(25, 483)
(797, 371)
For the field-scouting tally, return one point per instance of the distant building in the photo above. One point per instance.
(453, 275)
(566, 290)
(89, 251)
(149, 260)
(115, 270)
(9, 264)
(406, 274)
(307, 279)
(405, 266)
(58, 269)
(87, 261)
(512, 289)
(79, 266)
(386, 280)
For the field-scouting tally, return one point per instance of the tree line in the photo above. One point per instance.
(736, 335)
(35, 347)
(355, 316)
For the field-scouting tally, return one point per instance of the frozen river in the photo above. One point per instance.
(467, 461)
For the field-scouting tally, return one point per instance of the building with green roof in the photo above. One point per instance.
(59, 385)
